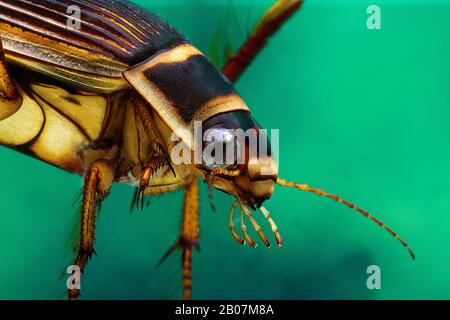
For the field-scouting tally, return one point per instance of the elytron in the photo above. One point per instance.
(103, 100)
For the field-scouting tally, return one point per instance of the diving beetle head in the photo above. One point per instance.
(184, 88)
(237, 150)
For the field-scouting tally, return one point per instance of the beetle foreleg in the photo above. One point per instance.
(10, 99)
(151, 185)
(256, 226)
(97, 183)
(159, 190)
(273, 225)
(147, 172)
(188, 236)
(248, 239)
(142, 109)
(269, 24)
(233, 232)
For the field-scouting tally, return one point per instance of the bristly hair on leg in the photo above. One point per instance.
(70, 245)
(333, 197)
(74, 235)
(209, 182)
(221, 45)
(139, 201)
(135, 200)
(268, 25)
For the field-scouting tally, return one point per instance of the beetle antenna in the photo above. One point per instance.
(322, 193)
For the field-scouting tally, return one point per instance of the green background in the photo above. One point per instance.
(361, 113)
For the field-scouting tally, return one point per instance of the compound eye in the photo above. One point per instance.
(221, 149)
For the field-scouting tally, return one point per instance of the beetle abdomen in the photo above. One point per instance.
(74, 40)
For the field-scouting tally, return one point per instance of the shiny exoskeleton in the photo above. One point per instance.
(103, 97)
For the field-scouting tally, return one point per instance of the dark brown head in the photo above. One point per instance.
(236, 149)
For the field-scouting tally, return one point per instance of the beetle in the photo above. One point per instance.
(104, 101)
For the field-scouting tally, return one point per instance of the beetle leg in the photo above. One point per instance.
(249, 240)
(188, 236)
(158, 190)
(143, 183)
(256, 226)
(269, 24)
(273, 225)
(142, 109)
(148, 172)
(233, 232)
(10, 99)
(97, 183)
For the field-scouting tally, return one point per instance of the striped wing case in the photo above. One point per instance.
(85, 43)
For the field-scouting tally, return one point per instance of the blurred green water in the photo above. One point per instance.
(364, 114)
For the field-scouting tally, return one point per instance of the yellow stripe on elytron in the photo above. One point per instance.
(84, 81)
(222, 104)
(180, 53)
